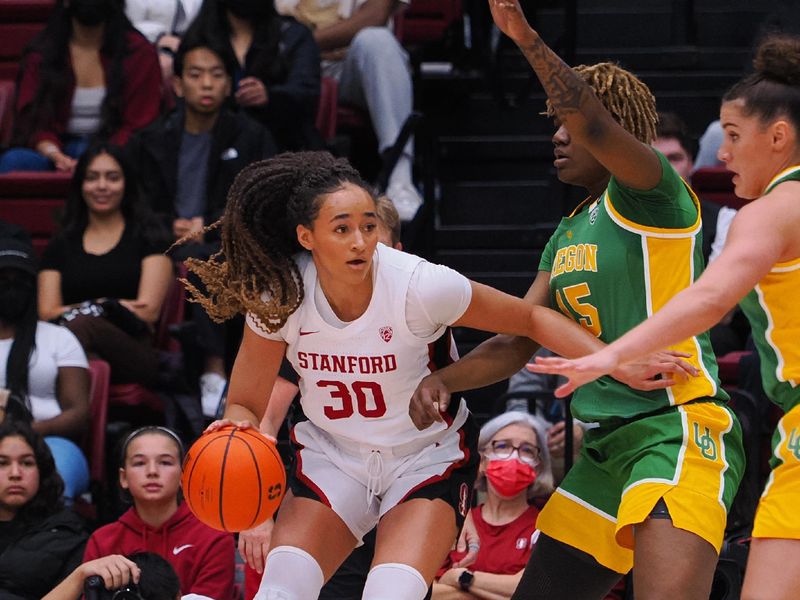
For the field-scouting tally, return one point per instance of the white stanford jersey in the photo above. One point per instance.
(356, 382)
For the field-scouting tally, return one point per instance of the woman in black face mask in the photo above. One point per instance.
(277, 79)
(88, 75)
(43, 369)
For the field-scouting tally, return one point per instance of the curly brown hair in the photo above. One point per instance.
(773, 90)
(255, 272)
(624, 95)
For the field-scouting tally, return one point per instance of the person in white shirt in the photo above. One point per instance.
(356, 320)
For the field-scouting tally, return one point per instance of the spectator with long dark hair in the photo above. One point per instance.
(277, 77)
(110, 253)
(41, 542)
(89, 74)
(43, 369)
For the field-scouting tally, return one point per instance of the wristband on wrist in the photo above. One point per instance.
(465, 580)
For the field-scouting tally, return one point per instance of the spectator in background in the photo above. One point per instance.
(186, 162)
(143, 573)
(88, 75)
(710, 142)
(150, 473)
(514, 468)
(674, 142)
(163, 23)
(276, 78)
(40, 541)
(43, 369)
(362, 54)
(110, 252)
(535, 393)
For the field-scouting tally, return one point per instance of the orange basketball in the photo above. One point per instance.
(233, 479)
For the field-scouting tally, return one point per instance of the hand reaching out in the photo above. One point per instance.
(578, 371)
(637, 374)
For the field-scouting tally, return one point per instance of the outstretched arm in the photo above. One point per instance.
(520, 322)
(633, 163)
(762, 234)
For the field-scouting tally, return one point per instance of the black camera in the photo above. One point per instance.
(95, 589)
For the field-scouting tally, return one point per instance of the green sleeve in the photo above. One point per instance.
(669, 205)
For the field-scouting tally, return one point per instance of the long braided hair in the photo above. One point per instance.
(629, 101)
(255, 272)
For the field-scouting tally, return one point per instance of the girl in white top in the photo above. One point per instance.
(299, 237)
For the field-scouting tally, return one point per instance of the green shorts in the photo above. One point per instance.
(691, 455)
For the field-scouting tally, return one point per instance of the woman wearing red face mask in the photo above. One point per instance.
(515, 467)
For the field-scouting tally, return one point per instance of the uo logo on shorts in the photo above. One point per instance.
(706, 443)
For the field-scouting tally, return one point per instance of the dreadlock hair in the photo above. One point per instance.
(266, 202)
(773, 90)
(629, 101)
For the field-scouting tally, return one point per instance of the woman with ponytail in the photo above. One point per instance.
(760, 269)
(357, 320)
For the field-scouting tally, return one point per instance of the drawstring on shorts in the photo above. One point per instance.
(374, 475)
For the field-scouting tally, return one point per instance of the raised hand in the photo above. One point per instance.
(510, 19)
(429, 400)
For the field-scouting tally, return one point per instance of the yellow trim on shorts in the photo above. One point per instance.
(694, 497)
(573, 521)
(777, 515)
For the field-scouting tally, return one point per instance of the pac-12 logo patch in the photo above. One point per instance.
(463, 499)
(522, 543)
(386, 333)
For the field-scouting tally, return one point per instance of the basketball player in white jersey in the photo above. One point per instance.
(355, 318)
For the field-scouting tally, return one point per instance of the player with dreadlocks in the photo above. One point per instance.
(356, 320)
(655, 478)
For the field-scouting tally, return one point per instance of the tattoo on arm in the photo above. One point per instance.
(565, 89)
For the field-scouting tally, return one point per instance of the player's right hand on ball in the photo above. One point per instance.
(430, 399)
(222, 423)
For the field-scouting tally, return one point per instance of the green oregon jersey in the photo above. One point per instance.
(771, 308)
(613, 263)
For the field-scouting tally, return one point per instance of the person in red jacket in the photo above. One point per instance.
(158, 522)
(88, 75)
